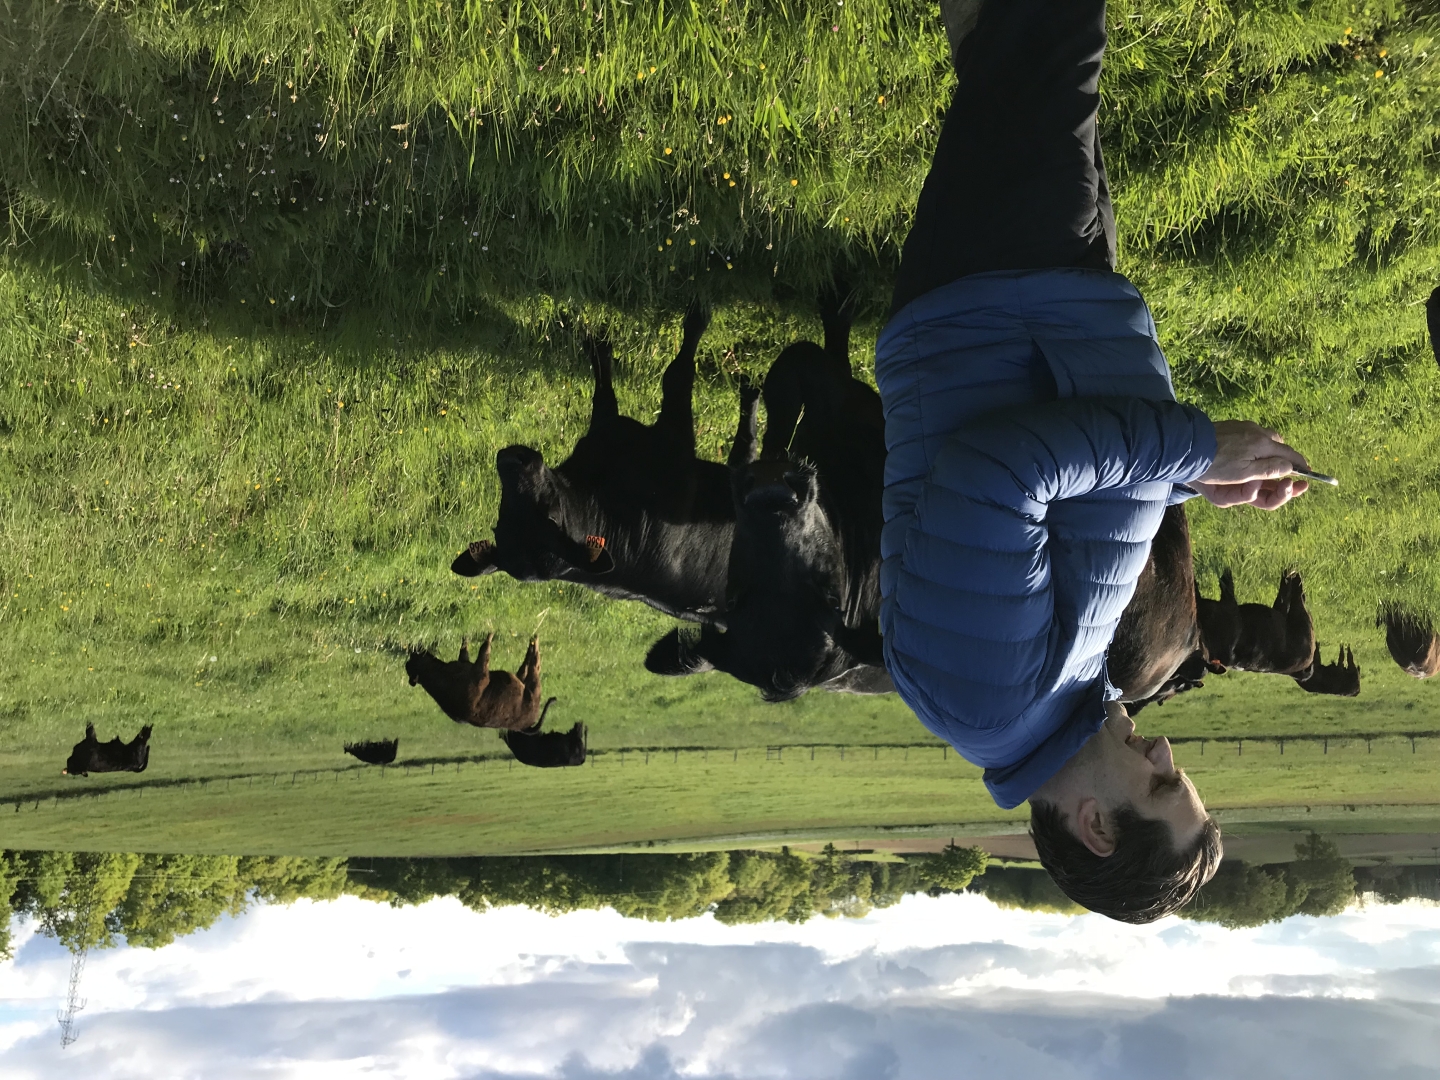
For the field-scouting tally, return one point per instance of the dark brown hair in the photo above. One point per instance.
(1144, 879)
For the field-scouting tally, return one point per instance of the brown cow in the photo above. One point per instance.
(1412, 640)
(1158, 632)
(470, 693)
(1253, 637)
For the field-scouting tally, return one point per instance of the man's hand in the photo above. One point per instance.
(1251, 468)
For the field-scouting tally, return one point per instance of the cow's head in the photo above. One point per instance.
(77, 763)
(543, 527)
(783, 630)
(1412, 640)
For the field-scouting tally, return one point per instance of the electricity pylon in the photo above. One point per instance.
(73, 1001)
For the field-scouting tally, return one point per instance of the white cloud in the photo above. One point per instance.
(945, 987)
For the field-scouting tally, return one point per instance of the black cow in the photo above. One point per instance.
(91, 755)
(1411, 637)
(802, 596)
(375, 751)
(1342, 678)
(631, 513)
(547, 749)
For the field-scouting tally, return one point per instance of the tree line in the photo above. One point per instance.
(95, 900)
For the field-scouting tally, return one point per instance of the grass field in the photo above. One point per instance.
(251, 419)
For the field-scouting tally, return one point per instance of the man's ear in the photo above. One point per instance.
(1093, 827)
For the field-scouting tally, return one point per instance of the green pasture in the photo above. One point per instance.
(678, 799)
(278, 280)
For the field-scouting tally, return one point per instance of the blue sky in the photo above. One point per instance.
(935, 987)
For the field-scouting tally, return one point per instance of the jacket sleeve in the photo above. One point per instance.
(1016, 462)
(977, 558)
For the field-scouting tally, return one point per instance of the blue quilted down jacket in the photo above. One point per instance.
(1033, 443)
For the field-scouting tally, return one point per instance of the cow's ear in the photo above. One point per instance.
(675, 654)
(477, 559)
(598, 560)
(590, 557)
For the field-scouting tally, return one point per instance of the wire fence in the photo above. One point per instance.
(1329, 745)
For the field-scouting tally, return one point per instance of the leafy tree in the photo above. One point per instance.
(1320, 878)
(1319, 882)
(954, 868)
(8, 873)
(177, 895)
(767, 887)
(1242, 895)
(1023, 887)
(283, 879)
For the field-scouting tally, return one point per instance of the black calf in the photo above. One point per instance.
(374, 752)
(547, 749)
(1342, 678)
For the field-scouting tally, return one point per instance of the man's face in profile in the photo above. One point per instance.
(1125, 768)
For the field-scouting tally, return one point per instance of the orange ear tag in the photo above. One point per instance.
(594, 545)
(479, 549)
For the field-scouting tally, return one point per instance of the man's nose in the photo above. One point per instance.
(1161, 757)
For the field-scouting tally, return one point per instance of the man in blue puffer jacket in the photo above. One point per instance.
(1034, 441)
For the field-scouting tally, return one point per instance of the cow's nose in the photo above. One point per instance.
(515, 458)
(777, 496)
(768, 485)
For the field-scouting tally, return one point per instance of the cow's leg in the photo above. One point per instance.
(529, 676)
(531, 664)
(837, 313)
(604, 409)
(677, 388)
(742, 450)
(482, 659)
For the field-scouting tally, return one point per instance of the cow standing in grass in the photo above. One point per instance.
(374, 751)
(1278, 639)
(91, 755)
(471, 693)
(631, 513)
(802, 591)
(547, 749)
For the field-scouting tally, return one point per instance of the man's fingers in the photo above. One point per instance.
(1274, 494)
(1273, 468)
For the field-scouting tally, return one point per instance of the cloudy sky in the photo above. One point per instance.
(944, 988)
